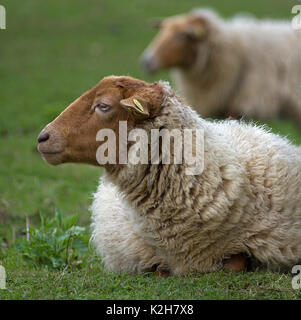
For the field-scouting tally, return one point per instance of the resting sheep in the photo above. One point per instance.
(238, 67)
(247, 200)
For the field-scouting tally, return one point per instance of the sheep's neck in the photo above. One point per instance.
(153, 188)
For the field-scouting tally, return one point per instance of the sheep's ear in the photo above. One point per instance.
(136, 105)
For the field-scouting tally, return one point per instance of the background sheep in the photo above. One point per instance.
(239, 67)
(245, 201)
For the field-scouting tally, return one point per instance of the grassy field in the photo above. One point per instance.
(51, 52)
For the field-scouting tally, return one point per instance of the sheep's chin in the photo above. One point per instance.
(53, 158)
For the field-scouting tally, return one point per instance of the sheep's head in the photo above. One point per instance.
(177, 42)
(71, 137)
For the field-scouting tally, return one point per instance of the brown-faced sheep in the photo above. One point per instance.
(245, 201)
(238, 67)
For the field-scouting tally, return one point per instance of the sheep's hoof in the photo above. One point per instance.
(161, 273)
(237, 263)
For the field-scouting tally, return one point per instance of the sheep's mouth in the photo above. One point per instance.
(53, 157)
(50, 152)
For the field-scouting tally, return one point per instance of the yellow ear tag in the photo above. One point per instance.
(133, 111)
(138, 105)
(199, 32)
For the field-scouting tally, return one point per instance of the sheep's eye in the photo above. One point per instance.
(102, 107)
(181, 36)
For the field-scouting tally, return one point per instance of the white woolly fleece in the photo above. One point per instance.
(247, 200)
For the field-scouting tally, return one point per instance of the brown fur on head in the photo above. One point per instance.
(71, 137)
(177, 42)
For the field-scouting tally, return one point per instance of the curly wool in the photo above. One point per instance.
(247, 200)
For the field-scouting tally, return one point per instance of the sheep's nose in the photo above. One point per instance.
(149, 62)
(43, 137)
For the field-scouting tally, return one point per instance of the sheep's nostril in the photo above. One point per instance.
(43, 137)
(148, 63)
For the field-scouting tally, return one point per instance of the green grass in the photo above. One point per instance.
(51, 52)
(93, 282)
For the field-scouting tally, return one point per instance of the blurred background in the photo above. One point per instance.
(51, 52)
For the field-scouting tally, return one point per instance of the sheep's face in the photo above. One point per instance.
(71, 137)
(176, 44)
